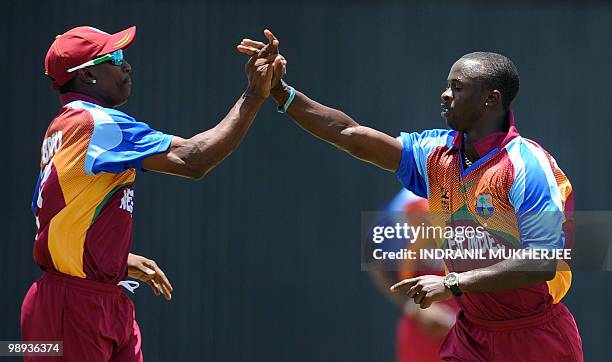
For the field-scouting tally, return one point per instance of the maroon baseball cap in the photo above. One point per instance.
(80, 45)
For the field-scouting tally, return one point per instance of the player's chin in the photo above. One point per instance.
(123, 100)
(126, 92)
(450, 121)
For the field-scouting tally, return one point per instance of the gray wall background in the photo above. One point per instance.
(264, 252)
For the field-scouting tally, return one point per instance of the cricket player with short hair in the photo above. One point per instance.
(84, 196)
(481, 172)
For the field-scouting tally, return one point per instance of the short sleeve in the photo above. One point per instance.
(535, 197)
(416, 148)
(119, 142)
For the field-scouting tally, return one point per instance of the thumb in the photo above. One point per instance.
(273, 41)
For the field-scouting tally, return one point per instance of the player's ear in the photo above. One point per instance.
(86, 76)
(493, 99)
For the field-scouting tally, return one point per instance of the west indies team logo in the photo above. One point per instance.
(484, 205)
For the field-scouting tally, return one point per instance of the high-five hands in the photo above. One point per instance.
(266, 66)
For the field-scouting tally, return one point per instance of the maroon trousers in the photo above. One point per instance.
(548, 336)
(96, 321)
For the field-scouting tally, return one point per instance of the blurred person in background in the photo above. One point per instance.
(419, 332)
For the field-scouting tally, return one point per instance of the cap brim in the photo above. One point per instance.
(120, 40)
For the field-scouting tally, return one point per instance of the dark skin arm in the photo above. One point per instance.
(332, 125)
(508, 274)
(196, 156)
(337, 128)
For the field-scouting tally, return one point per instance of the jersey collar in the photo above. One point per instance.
(494, 140)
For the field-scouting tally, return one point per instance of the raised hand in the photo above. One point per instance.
(259, 50)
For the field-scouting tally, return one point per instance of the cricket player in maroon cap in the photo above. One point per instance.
(84, 197)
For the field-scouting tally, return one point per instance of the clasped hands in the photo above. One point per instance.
(265, 67)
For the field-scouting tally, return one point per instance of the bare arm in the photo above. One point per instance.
(508, 274)
(196, 156)
(339, 129)
(332, 125)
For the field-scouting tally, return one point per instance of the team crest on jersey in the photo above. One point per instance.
(484, 205)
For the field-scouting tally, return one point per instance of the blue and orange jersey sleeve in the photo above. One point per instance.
(535, 196)
(119, 142)
(416, 148)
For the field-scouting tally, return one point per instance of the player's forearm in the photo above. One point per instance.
(202, 152)
(335, 127)
(324, 122)
(508, 274)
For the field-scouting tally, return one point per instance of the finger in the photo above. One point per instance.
(263, 62)
(161, 278)
(165, 286)
(157, 286)
(404, 284)
(146, 273)
(250, 51)
(146, 269)
(420, 296)
(270, 36)
(278, 63)
(273, 43)
(270, 50)
(273, 47)
(270, 59)
(252, 43)
(414, 291)
(264, 52)
(166, 291)
(426, 303)
(279, 69)
(155, 290)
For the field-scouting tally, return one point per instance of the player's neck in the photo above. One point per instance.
(91, 94)
(494, 122)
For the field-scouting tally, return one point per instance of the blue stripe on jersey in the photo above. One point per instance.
(479, 162)
(119, 142)
(535, 197)
(416, 148)
(36, 190)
